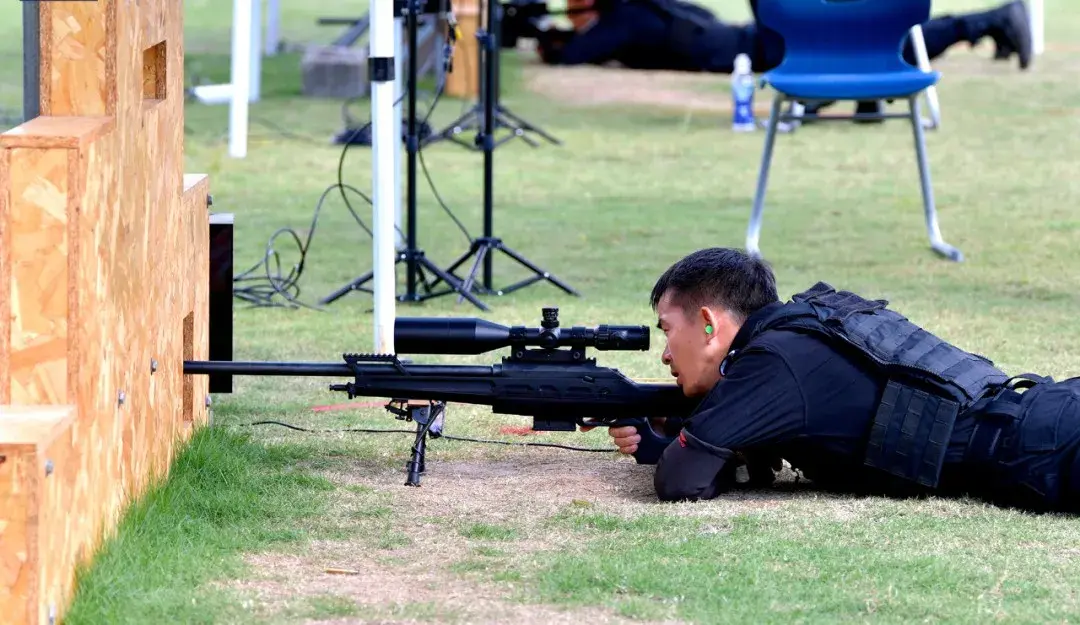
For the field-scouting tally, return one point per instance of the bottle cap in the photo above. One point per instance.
(742, 64)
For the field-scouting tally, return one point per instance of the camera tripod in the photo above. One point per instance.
(488, 54)
(415, 260)
(483, 248)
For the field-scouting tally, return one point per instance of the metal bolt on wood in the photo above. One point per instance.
(153, 365)
(121, 398)
(48, 467)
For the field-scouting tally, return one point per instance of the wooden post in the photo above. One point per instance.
(463, 79)
(104, 282)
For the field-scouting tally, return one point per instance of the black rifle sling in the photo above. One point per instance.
(929, 381)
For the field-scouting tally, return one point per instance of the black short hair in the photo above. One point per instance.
(719, 276)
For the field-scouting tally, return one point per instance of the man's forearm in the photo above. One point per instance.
(690, 470)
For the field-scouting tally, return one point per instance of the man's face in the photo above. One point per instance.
(693, 352)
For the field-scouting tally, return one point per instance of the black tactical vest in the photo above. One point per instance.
(929, 381)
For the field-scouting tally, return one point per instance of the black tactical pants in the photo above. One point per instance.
(1036, 465)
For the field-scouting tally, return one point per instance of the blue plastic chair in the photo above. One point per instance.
(846, 50)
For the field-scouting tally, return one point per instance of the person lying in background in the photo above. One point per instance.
(677, 35)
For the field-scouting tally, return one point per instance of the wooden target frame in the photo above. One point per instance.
(104, 278)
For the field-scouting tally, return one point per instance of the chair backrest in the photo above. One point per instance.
(842, 36)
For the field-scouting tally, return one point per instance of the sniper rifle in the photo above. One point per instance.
(546, 375)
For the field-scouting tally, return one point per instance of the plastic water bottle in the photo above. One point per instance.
(742, 94)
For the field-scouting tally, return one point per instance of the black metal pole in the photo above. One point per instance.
(491, 52)
(411, 145)
(31, 60)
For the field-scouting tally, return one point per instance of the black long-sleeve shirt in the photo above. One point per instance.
(788, 395)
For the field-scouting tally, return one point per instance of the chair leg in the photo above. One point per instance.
(753, 231)
(936, 242)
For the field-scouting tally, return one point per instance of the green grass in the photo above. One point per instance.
(630, 190)
(225, 495)
(895, 566)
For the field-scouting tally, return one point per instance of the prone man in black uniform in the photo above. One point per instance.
(678, 35)
(850, 393)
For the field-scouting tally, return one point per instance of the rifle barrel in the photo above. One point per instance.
(328, 369)
(314, 369)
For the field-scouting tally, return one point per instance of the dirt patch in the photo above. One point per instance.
(403, 592)
(591, 85)
(405, 558)
(599, 86)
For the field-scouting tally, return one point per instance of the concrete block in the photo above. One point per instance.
(335, 72)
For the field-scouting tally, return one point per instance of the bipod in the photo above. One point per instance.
(428, 416)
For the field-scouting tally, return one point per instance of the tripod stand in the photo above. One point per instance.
(489, 89)
(484, 247)
(415, 260)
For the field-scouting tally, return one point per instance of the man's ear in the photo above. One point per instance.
(709, 321)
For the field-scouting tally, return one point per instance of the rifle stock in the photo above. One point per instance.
(556, 384)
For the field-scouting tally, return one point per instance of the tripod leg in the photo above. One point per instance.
(454, 283)
(470, 280)
(425, 281)
(535, 269)
(459, 262)
(528, 126)
(355, 285)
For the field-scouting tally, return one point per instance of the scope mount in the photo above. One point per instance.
(554, 336)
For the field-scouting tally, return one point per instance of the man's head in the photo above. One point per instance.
(701, 302)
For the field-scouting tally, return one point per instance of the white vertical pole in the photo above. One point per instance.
(273, 27)
(385, 140)
(256, 51)
(1038, 26)
(919, 44)
(240, 78)
(398, 92)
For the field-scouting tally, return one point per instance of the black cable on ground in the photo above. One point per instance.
(446, 436)
(261, 288)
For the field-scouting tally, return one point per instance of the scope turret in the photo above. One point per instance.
(470, 336)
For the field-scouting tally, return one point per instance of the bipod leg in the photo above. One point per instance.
(428, 417)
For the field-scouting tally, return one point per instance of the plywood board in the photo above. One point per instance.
(37, 477)
(104, 266)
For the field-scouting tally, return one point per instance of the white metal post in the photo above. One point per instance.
(255, 86)
(1038, 26)
(398, 93)
(273, 27)
(385, 140)
(240, 78)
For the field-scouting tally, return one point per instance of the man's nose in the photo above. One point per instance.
(666, 357)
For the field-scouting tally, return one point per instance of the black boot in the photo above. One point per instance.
(1008, 26)
(869, 107)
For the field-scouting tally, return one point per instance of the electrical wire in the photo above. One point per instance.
(263, 289)
(427, 174)
(412, 432)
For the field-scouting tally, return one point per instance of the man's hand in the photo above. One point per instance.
(626, 438)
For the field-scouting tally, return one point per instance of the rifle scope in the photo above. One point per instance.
(469, 336)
